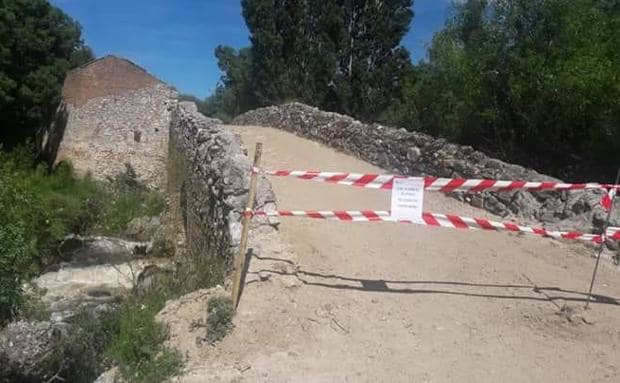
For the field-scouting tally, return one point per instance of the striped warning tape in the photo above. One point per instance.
(384, 181)
(608, 199)
(443, 220)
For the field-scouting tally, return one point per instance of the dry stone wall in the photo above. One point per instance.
(106, 132)
(413, 153)
(210, 173)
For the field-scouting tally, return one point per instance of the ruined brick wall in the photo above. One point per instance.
(116, 113)
(105, 77)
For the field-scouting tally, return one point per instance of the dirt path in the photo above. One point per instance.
(375, 302)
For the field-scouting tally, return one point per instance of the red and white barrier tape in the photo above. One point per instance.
(608, 199)
(384, 181)
(443, 220)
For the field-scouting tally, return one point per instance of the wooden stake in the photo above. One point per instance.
(602, 245)
(239, 263)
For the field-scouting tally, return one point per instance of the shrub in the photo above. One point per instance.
(138, 344)
(39, 208)
(47, 206)
(128, 199)
(17, 253)
(220, 313)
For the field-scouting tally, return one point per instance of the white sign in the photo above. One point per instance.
(407, 199)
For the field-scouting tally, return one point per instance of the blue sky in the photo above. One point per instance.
(175, 39)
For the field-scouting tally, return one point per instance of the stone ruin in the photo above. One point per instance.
(112, 113)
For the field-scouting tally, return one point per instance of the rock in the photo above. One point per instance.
(151, 277)
(143, 228)
(493, 205)
(42, 351)
(413, 153)
(84, 251)
(71, 244)
(26, 349)
(109, 376)
(613, 245)
(263, 276)
(71, 288)
(214, 121)
(477, 200)
(289, 281)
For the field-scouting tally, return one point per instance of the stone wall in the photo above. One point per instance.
(106, 132)
(113, 112)
(413, 153)
(210, 176)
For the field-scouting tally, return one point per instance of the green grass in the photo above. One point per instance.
(138, 344)
(126, 206)
(128, 199)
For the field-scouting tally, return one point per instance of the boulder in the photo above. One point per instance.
(85, 251)
(143, 228)
(43, 351)
(27, 351)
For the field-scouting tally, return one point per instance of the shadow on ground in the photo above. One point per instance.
(472, 289)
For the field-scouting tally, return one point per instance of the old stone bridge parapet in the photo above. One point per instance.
(414, 153)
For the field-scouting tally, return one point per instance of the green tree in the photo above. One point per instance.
(372, 63)
(233, 94)
(220, 104)
(237, 67)
(534, 82)
(38, 44)
(341, 55)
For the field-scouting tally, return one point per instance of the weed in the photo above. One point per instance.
(137, 347)
(220, 313)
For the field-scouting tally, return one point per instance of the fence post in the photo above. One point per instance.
(239, 262)
(602, 245)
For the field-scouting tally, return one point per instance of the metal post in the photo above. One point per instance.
(602, 245)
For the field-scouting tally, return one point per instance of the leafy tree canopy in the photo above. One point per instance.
(534, 82)
(38, 44)
(531, 82)
(340, 55)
